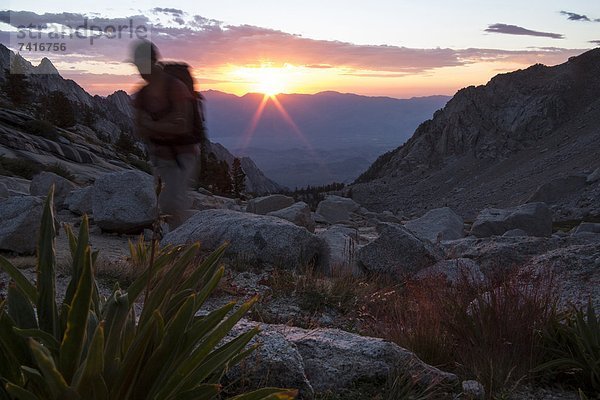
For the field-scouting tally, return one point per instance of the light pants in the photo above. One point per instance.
(175, 175)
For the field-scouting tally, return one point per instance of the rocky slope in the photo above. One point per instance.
(495, 145)
(88, 148)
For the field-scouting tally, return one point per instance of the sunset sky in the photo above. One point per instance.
(383, 47)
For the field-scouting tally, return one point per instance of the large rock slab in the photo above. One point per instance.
(298, 213)
(342, 246)
(336, 209)
(252, 238)
(124, 201)
(322, 360)
(267, 204)
(396, 252)
(41, 183)
(533, 218)
(20, 219)
(438, 224)
(336, 359)
(80, 201)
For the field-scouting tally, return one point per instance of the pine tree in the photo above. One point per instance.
(16, 85)
(57, 109)
(224, 181)
(239, 176)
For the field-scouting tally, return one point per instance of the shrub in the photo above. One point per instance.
(89, 347)
(41, 128)
(58, 109)
(488, 332)
(316, 292)
(19, 167)
(572, 344)
(497, 334)
(142, 165)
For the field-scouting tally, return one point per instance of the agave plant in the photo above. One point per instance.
(89, 347)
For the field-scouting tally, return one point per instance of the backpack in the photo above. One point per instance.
(181, 71)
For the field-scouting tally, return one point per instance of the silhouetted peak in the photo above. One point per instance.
(46, 67)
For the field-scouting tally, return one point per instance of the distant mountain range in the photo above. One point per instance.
(301, 139)
(530, 134)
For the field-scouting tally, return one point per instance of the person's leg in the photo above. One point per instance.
(175, 175)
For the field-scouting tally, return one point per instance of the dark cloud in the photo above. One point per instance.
(517, 30)
(170, 11)
(575, 17)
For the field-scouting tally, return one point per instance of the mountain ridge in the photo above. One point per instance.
(489, 126)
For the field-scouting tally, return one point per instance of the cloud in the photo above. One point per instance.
(319, 66)
(517, 30)
(170, 11)
(596, 42)
(206, 43)
(575, 17)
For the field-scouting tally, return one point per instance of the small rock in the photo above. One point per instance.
(473, 390)
(515, 233)
(342, 246)
(4, 193)
(20, 219)
(267, 204)
(438, 224)
(298, 213)
(336, 209)
(80, 201)
(593, 177)
(533, 218)
(396, 252)
(124, 202)
(454, 271)
(587, 227)
(41, 183)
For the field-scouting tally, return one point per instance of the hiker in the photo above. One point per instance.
(164, 120)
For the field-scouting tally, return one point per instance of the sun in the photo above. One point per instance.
(270, 81)
(270, 85)
(267, 80)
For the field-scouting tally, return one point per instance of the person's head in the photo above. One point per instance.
(145, 57)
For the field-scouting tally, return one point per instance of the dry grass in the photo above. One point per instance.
(488, 332)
